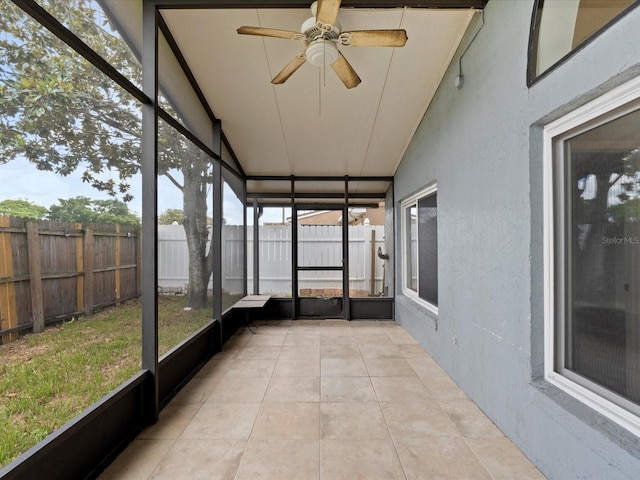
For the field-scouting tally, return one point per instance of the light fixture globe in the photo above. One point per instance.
(321, 53)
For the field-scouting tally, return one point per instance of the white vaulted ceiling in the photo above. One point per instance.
(312, 125)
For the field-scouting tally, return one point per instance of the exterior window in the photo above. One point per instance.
(420, 247)
(560, 27)
(593, 233)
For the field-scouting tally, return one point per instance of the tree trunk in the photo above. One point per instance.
(195, 173)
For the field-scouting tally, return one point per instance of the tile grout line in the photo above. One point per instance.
(320, 473)
(262, 402)
(464, 438)
(386, 423)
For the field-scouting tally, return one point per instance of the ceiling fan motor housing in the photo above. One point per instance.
(314, 30)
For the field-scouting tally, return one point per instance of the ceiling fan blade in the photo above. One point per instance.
(345, 71)
(289, 69)
(270, 32)
(374, 38)
(328, 11)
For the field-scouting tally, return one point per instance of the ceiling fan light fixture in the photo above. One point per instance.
(322, 53)
(320, 34)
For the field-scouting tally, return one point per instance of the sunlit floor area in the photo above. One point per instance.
(322, 400)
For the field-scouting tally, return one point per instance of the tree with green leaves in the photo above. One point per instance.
(22, 208)
(171, 215)
(628, 210)
(64, 115)
(86, 210)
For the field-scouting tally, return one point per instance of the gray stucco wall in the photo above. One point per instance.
(482, 144)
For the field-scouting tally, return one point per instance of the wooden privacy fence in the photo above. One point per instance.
(50, 271)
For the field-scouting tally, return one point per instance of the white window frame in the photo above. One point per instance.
(622, 100)
(409, 202)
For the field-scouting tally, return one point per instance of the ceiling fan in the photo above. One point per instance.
(321, 34)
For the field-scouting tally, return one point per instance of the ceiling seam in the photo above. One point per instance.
(384, 86)
(275, 97)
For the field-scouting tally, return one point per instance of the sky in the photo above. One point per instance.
(19, 179)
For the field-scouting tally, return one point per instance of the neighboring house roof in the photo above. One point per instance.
(357, 216)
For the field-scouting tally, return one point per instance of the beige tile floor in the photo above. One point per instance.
(322, 400)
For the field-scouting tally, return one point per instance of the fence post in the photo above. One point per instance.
(138, 262)
(117, 263)
(372, 280)
(79, 270)
(35, 277)
(8, 314)
(88, 271)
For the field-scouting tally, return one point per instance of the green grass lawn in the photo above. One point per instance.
(47, 379)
